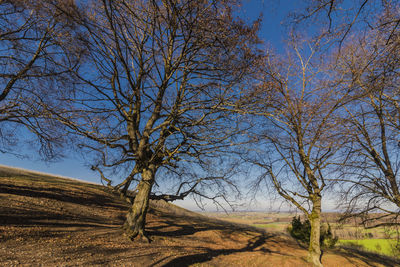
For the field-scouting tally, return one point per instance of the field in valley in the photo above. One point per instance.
(351, 235)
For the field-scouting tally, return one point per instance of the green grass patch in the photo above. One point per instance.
(381, 246)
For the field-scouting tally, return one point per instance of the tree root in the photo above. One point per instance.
(136, 235)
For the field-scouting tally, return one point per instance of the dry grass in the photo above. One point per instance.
(51, 221)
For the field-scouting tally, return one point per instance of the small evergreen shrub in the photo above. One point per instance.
(302, 230)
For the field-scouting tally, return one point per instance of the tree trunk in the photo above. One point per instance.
(314, 250)
(135, 221)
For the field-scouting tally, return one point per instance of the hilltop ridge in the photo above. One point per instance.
(51, 221)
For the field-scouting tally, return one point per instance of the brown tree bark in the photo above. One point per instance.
(314, 249)
(136, 218)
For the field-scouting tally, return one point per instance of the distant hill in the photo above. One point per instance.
(52, 221)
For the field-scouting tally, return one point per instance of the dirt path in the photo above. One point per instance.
(47, 221)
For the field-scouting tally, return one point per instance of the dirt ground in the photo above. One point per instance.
(48, 221)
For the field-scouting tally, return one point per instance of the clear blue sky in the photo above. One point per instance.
(272, 32)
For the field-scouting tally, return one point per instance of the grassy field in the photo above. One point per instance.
(377, 240)
(381, 246)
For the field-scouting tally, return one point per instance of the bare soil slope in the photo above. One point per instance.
(52, 221)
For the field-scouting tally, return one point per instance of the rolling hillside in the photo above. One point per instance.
(54, 221)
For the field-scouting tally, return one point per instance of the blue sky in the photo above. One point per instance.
(273, 34)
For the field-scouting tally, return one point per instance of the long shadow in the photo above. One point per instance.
(188, 260)
(48, 221)
(197, 225)
(43, 233)
(22, 215)
(368, 257)
(61, 195)
(92, 249)
(183, 229)
(25, 217)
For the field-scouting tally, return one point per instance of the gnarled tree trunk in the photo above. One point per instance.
(135, 221)
(314, 249)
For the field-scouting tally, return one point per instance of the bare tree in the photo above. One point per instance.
(33, 37)
(295, 141)
(372, 160)
(342, 19)
(149, 92)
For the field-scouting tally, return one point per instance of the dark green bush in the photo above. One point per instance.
(302, 230)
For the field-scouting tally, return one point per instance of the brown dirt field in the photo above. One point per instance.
(49, 221)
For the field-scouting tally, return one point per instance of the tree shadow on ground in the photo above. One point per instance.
(53, 211)
(255, 243)
(186, 225)
(48, 220)
(173, 227)
(369, 258)
(60, 194)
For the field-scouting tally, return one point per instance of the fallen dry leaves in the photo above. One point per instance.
(48, 221)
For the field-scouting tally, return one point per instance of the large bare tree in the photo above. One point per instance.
(296, 108)
(372, 163)
(150, 90)
(367, 34)
(33, 37)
